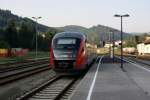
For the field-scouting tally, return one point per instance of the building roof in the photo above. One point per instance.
(147, 41)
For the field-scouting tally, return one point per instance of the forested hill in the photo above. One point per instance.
(96, 33)
(7, 17)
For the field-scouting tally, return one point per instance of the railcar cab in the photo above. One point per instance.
(68, 51)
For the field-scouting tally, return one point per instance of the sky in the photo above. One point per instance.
(87, 13)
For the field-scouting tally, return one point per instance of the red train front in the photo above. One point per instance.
(68, 52)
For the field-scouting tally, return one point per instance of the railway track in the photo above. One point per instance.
(53, 89)
(58, 88)
(8, 64)
(22, 73)
(13, 67)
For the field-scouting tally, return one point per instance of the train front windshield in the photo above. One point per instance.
(66, 44)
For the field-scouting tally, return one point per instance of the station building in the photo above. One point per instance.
(144, 47)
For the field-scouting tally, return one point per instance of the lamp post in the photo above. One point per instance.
(110, 45)
(121, 16)
(36, 40)
(113, 46)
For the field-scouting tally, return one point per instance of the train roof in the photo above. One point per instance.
(70, 34)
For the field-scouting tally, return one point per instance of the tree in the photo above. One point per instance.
(2, 34)
(4, 44)
(26, 35)
(131, 42)
(11, 35)
(45, 42)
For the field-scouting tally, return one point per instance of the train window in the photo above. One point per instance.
(66, 41)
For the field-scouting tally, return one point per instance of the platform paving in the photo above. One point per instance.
(139, 74)
(111, 84)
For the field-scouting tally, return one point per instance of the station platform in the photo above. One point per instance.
(106, 81)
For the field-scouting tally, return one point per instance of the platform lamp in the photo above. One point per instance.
(113, 46)
(36, 29)
(121, 16)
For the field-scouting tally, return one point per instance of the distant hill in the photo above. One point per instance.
(73, 28)
(94, 34)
